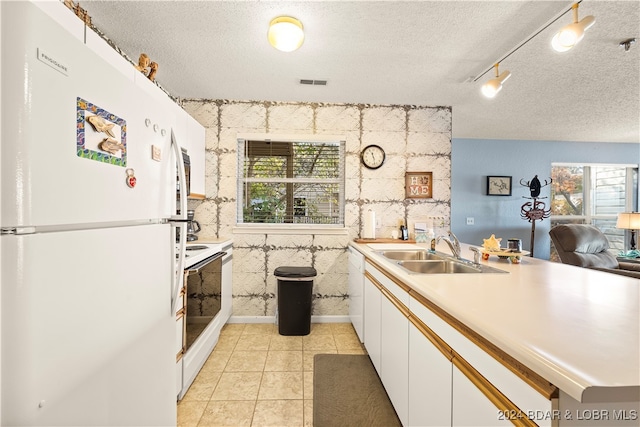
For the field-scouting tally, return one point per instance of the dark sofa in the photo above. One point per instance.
(586, 246)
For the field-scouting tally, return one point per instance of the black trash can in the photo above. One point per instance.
(295, 285)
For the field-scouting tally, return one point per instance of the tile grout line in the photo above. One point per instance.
(333, 331)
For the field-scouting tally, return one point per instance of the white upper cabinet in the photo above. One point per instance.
(190, 136)
(196, 135)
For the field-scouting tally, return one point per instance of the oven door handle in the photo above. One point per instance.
(195, 268)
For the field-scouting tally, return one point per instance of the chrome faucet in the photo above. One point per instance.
(453, 242)
(476, 255)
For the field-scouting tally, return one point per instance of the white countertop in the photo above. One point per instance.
(205, 239)
(210, 247)
(577, 328)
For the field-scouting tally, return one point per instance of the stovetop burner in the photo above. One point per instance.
(196, 247)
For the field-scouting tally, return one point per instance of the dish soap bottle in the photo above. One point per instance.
(431, 236)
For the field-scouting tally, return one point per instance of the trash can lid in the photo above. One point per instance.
(294, 272)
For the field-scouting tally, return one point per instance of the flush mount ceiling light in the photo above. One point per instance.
(570, 35)
(285, 33)
(491, 88)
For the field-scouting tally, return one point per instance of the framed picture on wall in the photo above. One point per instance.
(418, 185)
(498, 186)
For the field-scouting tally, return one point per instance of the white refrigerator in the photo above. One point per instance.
(90, 269)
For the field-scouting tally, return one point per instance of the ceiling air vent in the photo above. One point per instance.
(313, 82)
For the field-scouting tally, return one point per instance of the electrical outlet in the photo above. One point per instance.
(470, 220)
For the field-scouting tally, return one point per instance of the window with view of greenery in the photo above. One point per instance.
(593, 194)
(291, 182)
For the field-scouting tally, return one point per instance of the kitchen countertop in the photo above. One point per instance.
(212, 245)
(211, 240)
(577, 328)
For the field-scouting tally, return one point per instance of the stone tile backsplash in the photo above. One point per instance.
(415, 138)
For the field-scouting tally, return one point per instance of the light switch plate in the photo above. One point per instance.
(156, 153)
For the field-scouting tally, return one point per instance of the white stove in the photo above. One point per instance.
(196, 252)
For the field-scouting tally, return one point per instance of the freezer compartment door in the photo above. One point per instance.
(60, 101)
(87, 333)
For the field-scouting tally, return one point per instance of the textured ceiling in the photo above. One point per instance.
(410, 52)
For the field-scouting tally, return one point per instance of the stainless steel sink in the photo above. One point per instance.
(437, 267)
(446, 267)
(415, 254)
(422, 261)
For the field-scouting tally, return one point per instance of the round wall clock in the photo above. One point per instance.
(372, 156)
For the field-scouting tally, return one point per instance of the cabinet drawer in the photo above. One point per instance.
(401, 294)
(522, 394)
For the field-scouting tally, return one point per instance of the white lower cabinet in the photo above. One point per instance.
(429, 383)
(419, 356)
(471, 407)
(394, 357)
(372, 324)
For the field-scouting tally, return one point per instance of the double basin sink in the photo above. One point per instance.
(421, 261)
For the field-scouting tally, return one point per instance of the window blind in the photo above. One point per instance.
(293, 182)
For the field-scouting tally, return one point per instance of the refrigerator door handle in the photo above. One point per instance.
(182, 179)
(180, 225)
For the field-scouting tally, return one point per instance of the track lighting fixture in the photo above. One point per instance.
(570, 35)
(565, 39)
(285, 33)
(491, 88)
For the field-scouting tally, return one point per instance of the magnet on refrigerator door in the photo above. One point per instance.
(91, 142)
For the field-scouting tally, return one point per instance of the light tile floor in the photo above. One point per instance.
(256, 377)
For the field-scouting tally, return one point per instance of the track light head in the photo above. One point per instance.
(570, 35)
(626, 44)
(491, 88)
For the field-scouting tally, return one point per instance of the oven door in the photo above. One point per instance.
(203, 282)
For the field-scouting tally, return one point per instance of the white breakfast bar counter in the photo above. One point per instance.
(577, 329)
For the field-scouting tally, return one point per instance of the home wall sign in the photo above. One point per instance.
(418, 185)
(100, 135)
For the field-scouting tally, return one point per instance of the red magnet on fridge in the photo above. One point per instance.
(131, 179)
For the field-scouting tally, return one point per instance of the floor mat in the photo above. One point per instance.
(347, 392)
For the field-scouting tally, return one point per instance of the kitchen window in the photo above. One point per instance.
(594, 194)
(291, 181)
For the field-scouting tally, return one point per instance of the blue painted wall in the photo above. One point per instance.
(473, 159)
